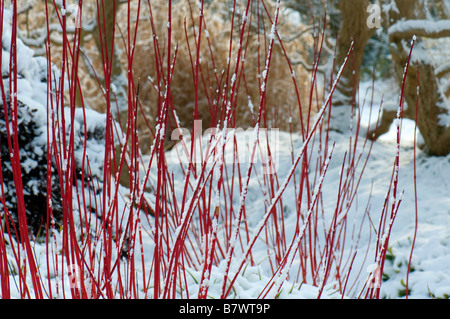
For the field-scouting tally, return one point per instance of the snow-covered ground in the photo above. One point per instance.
(430, 275)
(430, 265)
(431, 255)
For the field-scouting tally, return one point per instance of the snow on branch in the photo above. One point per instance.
(442, 69)
(424, 28)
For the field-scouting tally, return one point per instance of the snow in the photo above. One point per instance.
(431, 254)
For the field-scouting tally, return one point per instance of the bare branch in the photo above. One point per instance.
(320, 69)
(299, 34)
(424, 28)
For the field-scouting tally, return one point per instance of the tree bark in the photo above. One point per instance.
(354, 28)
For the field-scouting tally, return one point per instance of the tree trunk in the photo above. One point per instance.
(103, 36)
(105, 28)
(432, 108)
(353, 28)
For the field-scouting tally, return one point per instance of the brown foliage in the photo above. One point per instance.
(280, 109)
